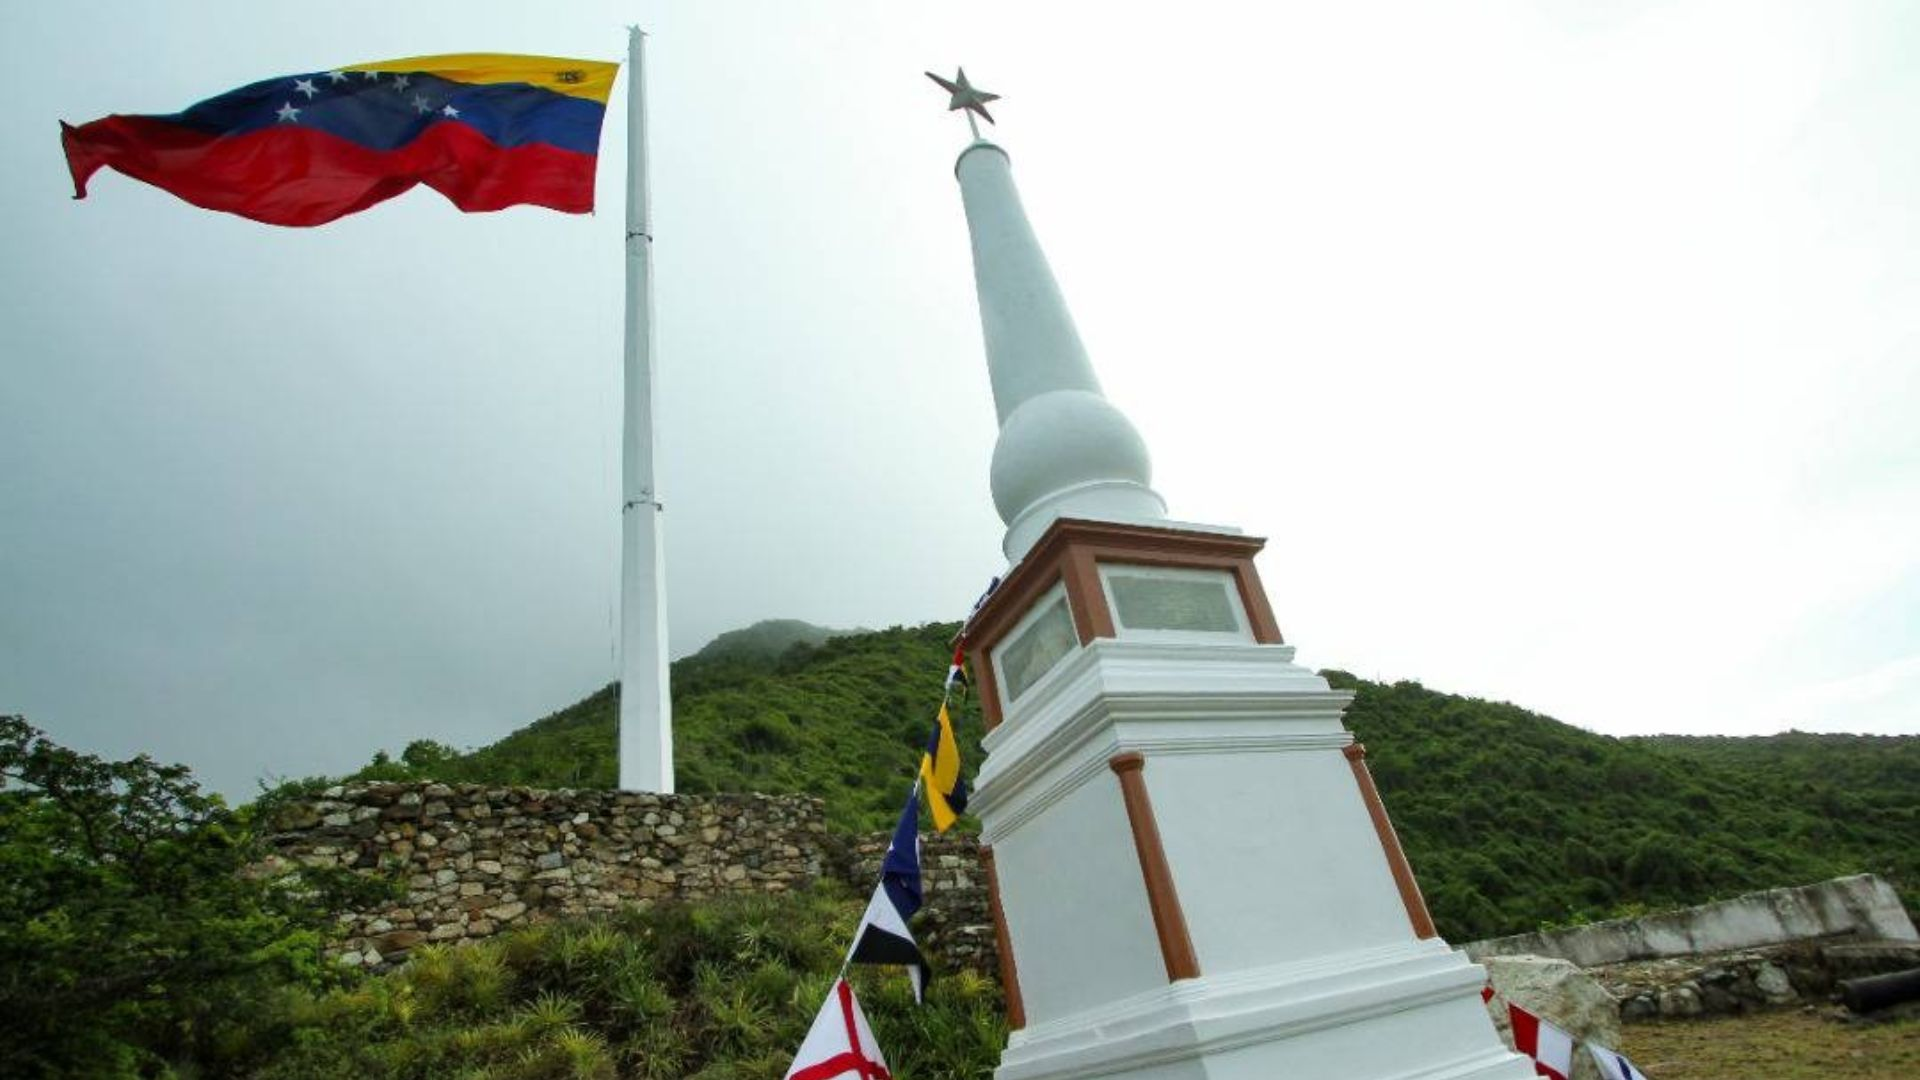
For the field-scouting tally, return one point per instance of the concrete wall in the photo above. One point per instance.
(1861, 906)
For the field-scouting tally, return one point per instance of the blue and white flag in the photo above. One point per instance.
(883, 936)
(1614, 1065)
(900, 870)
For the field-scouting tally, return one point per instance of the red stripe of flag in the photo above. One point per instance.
(293, 175)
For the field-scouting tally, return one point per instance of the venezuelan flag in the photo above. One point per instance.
(940, 773)
(486, 130)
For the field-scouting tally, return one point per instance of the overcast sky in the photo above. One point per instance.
(1568, 353)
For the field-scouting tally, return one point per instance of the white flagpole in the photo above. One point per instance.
(646, 707)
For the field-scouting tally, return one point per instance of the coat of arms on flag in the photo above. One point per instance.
(840, 1043)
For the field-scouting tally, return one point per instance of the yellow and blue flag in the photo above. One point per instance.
(940, 775)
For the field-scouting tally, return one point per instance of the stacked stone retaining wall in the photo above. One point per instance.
(472, 860)
(1723, 984)
(955, 928)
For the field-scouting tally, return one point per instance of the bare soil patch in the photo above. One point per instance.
(1789, 1045)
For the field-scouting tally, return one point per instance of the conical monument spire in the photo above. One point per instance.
(1189, 866)
(1064, 450)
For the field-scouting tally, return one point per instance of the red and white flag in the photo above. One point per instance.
(1550, 1048)
(839, 1044)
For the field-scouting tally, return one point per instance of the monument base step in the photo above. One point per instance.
(1403, 1012)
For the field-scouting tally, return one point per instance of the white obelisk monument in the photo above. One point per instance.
(1191, 872)
(646, 707)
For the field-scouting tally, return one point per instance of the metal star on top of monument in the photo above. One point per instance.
(965, 95)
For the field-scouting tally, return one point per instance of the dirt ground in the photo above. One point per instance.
(1794, 1045)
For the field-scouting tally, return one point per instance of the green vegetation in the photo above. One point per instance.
(766, 640)
(1794, 1045)
(846, 720)
(1514, 820)
(140, 939)
(135, 928)
(138, 936)
(715, 991)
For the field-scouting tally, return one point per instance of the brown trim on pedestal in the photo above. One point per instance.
(1266, 630)
(989, 691)
(1009, 971)
(1403, 879)
(1084, 594)
(1169, 921)
(1071, 551)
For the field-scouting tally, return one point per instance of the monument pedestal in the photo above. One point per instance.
(1193, 875)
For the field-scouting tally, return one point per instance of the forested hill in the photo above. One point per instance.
(845, 719)
(1511, 819)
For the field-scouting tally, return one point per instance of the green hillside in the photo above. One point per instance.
(766, 640)
(1512, 819)
(845, 719)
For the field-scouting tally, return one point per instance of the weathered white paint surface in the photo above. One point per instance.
(1862, 905)
(1309, 966)
(1089, 907)
(1063, 450)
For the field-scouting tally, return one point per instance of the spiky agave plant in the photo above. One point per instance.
(551, 1013)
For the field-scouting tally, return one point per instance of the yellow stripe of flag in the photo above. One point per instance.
(940, 771)
(590, 79)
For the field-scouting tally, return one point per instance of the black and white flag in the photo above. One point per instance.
(883, 936)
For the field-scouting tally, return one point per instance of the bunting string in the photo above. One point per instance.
(840, 1043)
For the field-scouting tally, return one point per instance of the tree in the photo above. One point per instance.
(136, 927)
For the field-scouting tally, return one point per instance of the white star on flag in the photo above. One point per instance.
(839, 1043)
(337, 76)
(287, 113)
(452, 112)
(400, 82)
(372, 76)
(420, 104)
(305, 86)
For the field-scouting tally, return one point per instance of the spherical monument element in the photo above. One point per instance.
(1191, 872)
(1064, 450)
(1069, 453)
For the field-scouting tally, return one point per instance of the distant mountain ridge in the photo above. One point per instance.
(1513, 820)
(766, 640)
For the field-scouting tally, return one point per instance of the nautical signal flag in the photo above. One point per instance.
(957, 668)
(840, 1043)
(1614, 1066)
(486, 130)
(900, 869)
(883, 936)
(940, 775)
(1550, 1048)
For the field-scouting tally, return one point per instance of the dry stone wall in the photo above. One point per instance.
(472, 860)
(1719, 984)
(955, 928)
